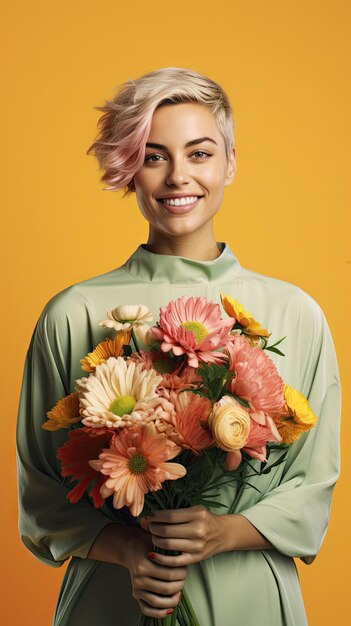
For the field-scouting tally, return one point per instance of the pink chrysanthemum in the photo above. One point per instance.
(135, 464)
(256, 379)
(190, 421)
(193, 326)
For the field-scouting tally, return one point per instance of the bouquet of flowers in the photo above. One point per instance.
(165, 427)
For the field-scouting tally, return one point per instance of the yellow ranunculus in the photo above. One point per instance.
(230, 424)
(233, 308)
(299, 417)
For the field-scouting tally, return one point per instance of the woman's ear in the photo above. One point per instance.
(231, 167)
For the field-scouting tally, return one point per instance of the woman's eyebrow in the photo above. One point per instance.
(160, 146)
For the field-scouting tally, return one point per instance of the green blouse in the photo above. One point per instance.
(293, 506)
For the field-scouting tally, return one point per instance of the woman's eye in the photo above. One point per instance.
(206, 154)
(149, 159)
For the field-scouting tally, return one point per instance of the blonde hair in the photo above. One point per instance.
(125, 124)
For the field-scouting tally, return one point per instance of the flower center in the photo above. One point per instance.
(138, 464)
(123, 405)
(198, 329)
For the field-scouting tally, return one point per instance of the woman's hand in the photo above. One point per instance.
(195, 532)
(156, 587)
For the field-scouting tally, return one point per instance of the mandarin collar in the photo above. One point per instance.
(180, 270)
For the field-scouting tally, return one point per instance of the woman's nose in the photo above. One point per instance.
(177, 172)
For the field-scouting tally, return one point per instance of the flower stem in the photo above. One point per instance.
(183, 617)
(191, 613)
(135, 341)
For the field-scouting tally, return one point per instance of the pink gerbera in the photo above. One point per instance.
(256, 379)
(135, 464)
(193, 326)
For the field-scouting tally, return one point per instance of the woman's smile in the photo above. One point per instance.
(177, 206)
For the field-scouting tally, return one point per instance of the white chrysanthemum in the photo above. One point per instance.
(119, 393)
(127, 316)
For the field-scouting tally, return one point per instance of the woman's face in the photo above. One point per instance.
(174, 168)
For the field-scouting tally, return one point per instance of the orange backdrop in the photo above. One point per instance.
(284, 66)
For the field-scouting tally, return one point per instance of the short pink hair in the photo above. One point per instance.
(126, 121)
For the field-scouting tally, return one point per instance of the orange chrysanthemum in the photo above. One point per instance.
(106, 348)
(64, 413)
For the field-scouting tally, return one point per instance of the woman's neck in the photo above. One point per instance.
(191, 246)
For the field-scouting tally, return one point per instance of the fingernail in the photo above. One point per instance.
(169, 611)
(151, 555)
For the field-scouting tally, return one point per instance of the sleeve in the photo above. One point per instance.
(49, 526)
(294, 516)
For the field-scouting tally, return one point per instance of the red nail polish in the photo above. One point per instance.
(169, 611)
(151, 555)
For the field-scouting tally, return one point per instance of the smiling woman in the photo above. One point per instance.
(180, 188)
(167, 137)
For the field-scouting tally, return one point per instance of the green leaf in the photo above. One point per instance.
(271, 349)
(277, 462)
(278, 342)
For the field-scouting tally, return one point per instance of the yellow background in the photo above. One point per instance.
(284, 67)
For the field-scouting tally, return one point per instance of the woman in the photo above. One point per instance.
(168, 135)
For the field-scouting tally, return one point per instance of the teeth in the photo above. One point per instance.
(180, 201)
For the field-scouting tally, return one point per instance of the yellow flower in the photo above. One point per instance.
(105, 349)
(300, 416)
(230, 424)
(233, 308)
(64, 414)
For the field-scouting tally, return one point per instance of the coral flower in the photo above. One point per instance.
(106, 348)
(299, 416)
(235, 309)
(193, 326)
(118, 394)
(190, 421)
(64, 414)
(256, 379)
(82, 446)
(136, 463)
